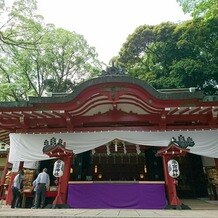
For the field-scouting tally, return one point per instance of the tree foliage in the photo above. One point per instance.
(173, 55)
(17, 21)
(199, 8)
(36, 57)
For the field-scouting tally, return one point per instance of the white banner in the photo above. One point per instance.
(15, 166)
(31, 164)
(28, 147)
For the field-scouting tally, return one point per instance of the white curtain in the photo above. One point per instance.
(28, 147)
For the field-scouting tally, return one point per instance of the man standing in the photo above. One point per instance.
(34, 192)
(42, 183)
(16, 189)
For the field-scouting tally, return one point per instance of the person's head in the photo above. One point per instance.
(21, 172)
(45, 170)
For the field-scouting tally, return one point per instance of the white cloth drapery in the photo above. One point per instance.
(28, 147)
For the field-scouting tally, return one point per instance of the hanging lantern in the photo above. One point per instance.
(145, 168)
(173, 168)
(115, 145)
(58, 169)
(141, 176)
(96, 168)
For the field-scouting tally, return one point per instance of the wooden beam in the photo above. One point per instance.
(59, 114)
(173, 111)
(39, 114)
(206, 110)
(29, 115)
(195, 110)
(184, 111)
(69, 122)
(10, 115)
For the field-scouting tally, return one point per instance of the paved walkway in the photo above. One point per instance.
(200, 209)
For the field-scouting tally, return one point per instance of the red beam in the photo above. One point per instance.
(173, 111)
(195, 110)
(206, 110)
(184, 111)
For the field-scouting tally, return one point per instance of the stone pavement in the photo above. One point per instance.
(200, 209)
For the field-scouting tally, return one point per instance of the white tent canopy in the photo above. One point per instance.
(28, 147)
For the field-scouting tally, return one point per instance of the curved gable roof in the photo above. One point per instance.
(115, 79)
(122, 79)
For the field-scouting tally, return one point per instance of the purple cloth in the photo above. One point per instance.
(112, 195)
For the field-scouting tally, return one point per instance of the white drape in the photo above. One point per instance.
(28, 147)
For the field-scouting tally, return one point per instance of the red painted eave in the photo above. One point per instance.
(109, 104)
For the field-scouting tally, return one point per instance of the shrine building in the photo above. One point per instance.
(118, 131)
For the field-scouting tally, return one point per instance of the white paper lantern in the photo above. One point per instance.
(173, 168)
(58, 170)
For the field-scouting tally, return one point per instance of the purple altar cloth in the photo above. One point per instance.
(112, 195)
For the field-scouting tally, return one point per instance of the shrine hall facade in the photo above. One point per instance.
(115, 125)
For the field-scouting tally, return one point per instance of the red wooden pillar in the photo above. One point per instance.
(2, 182)
(13, 174)
(168, 153)
(61, 197)
(170, 184)
(59, 151)
(4, 173)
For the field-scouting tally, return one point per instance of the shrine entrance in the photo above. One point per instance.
(99, 166)
(121, 162)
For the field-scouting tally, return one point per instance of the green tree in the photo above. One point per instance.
(175, 55)
(42, 58)
(68, 60)
(198, 42)
(199, 8)
(15, 22)
(19, 26)
(149, 51)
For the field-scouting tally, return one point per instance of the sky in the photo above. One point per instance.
(106, 24)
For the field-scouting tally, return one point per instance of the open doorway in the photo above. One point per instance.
(134, 163)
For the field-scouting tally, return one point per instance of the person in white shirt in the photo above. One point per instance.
(34, 191)
(42, 183)
(16, 189)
